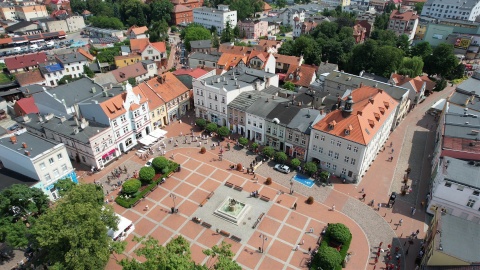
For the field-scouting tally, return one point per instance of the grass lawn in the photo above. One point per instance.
(282, 38)
(4, 78)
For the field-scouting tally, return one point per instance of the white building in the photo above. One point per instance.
(218, 18)
(403, 23)
(213, 94)
(65, 64)
(346, 141)
(38, 158)
(291, 16)
(456, 189)
(452, 9)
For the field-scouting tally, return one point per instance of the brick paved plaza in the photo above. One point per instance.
(284, 227)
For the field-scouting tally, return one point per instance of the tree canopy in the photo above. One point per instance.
(194, 32)
(442, 61)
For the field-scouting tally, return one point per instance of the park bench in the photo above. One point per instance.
(264, 198)
(155, 187)
(204, 202)
(135, 204)
(206, 225)
(258, 220)
(210, 195)
(228, 184)
(236, 239)
(261, 216)
(238, 188)
(196, 220)
(224, 233)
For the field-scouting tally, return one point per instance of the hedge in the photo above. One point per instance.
(127, 203)
(324, 244)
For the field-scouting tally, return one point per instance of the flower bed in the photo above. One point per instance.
(128, 202)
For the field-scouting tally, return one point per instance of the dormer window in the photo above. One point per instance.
(377, 116)
(290, 76)
(298, 78)
(332, 124)
(386, 104)
(382, 110)
(348, 130)
(371, 123)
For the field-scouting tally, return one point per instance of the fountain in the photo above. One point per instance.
(232, 210)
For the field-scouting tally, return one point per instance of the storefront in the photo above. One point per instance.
(109, 156)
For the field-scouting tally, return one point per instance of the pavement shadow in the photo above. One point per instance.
(427, 121)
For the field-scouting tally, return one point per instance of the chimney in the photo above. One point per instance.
(76, 119)
(13, 139)
(380, 91)
(361, 85)
(27, 153)
(24, 145)
(322, 112)
(359, 113)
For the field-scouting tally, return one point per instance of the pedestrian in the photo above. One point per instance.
(333, 208)
(309, 249)
(393, 150)
(391, 144)
(311, 229)
(379, 205)
(391, 158)
(413, 211)
(303, 242)
(417, 232)
(296, 247)
(295, 206)
(363, 196)
(146, 207)
(400, 222)
(363, 190)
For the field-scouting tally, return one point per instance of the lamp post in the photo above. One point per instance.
(173, 197)
(291, 187)
(264, 238)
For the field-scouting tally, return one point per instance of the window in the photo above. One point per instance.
(290, 136)
(50, 160)
(349, 147)
(260, 125)
(123, 118)
(471, 203)
(316, 136)
(460, 188)
(97, 149)
(56, 173)
(355, 149)
(330, 153)
(125, 129)
(476, 193)
(78, 68)
(353, 161)
(42, 165)
(59, 156)
(336, 155)
(136, 113)
(117, 133)
(47, 177)
(254, 123)
(223, 99)
(344, 171)
(64, 168)
(334, 167)
(347, 159)
(322, 138)
(320, 149)
(329, 165)
(339, 143)
(303, 141)
(296, 137)
(143, 107)
(268, 130)
(314, 147)
(332, 142)
(448, 184)
(280, 134)
(128, 142)
(114, 123)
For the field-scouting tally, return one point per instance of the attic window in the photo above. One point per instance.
(290, 76)
(386, 104)
(382, 110)
(377, 116)
(298, 77)
(371, 123)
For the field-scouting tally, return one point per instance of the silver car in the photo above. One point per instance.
(282, 168)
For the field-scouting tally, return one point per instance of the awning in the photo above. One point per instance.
(109, 153)
(158, 133)
(147, 140)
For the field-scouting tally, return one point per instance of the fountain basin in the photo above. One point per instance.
(232, 212)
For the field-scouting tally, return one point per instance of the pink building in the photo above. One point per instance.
(252, 28)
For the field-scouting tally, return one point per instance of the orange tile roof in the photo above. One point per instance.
(28, 78)
(266, 6)
(429, 83)
(370, 109)
(170, 88)
(139, 44)
(265, 43)
(403, 16)
(86, 54)
(416, 82)
(137, 30)
(195, 73)
(287, 59)
(181, 8)
(154, 99)
(243, 50)
(305, 72)
(160, 46)
(131, 71)
(113, 107)
(230, 60)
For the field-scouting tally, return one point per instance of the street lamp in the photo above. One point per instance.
(264, 238)
(173, 197)
(291, 187)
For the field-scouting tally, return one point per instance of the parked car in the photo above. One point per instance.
(149, 163)
(282, 168)
(14, 127)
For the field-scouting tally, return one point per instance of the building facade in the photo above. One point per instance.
(182, 15)
(253, 29)
(403, 23)
(218, 18)
(457, 10)
(30, 12)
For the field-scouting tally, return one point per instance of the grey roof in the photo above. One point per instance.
(284, 112)
(33, 89)
(459, 126)
(374, 77)
(65, 128)
(459, 171)
(210, 10)
(244, 100)
(35, 145)
(102, 30)
(264, 105)
(105, 79)
(18, 26)
(76, 91)
(460, 238)
(200, 44)
(237, 78)
(304, 120)
(468, 4)
(125, 49)
(186, 80)
(460, 99)
(325, 67)
(272, 90)
(394, 91)
(94, 67)
(71, 58)
(212, 57)
(468, 86)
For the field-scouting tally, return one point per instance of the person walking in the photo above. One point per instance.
(413, 211)
(363, 190)
(391, 144)
(294, 206)
(333, 208)
(363, 196)
(311, 229)
(296, 247)
(400, 222)
(379, 206)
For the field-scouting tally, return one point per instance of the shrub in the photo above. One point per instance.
(239, 166)
(268, 151)
(310, 200)
(160, 163)
(339, 233)
(223, 132)
(203, 150)
(254, 146)
(311, 167)
(328, 257)
(324, 176)
(243, 141)
(281, 157)
(211, 127)
(146, 175)
(131, 186)
(295, 163)
(268, 181)
(201, 123)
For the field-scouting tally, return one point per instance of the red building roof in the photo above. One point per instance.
(26, 60)
(25, 106)
(195, 73)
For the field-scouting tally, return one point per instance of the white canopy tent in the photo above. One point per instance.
(158, 133)
(147, 140)
(125, 227)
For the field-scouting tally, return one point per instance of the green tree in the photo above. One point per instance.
(243, 141)
(295, 163)
(268, 151)
(324, 176)
(311, 167)
(418, 7)
(442, 61)
(281, 157)
(440, 85)
(132, 81)
(339, 233)
(381, 21)
(161, 10)
(194, 32)
(158, 31)
(281, 3)
(131, 186)
(327, 258)
(215, 40)
(64, 186)
(362, 57)
(385, 68)
(403, 43)
(457, 73)
(201, 123)
(245, 8)
(255, 146)
(236, 32)
(220, 257)
(227, 33)
(223, 132)
(88, 71)
(412, 67)
(66, 79)
(146, 175)
(74, 232)
(160, 164)
(289, 86)
(389, 8)
(384, 37)
(106, 22)
(422, 49)
(211, 127)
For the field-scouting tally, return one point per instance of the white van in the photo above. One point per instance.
(50, 43)
(17, 49)
(33, 47)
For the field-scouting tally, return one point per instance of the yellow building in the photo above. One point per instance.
(126, 60)
(156, 105)
(421, 29)
(451, 241)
